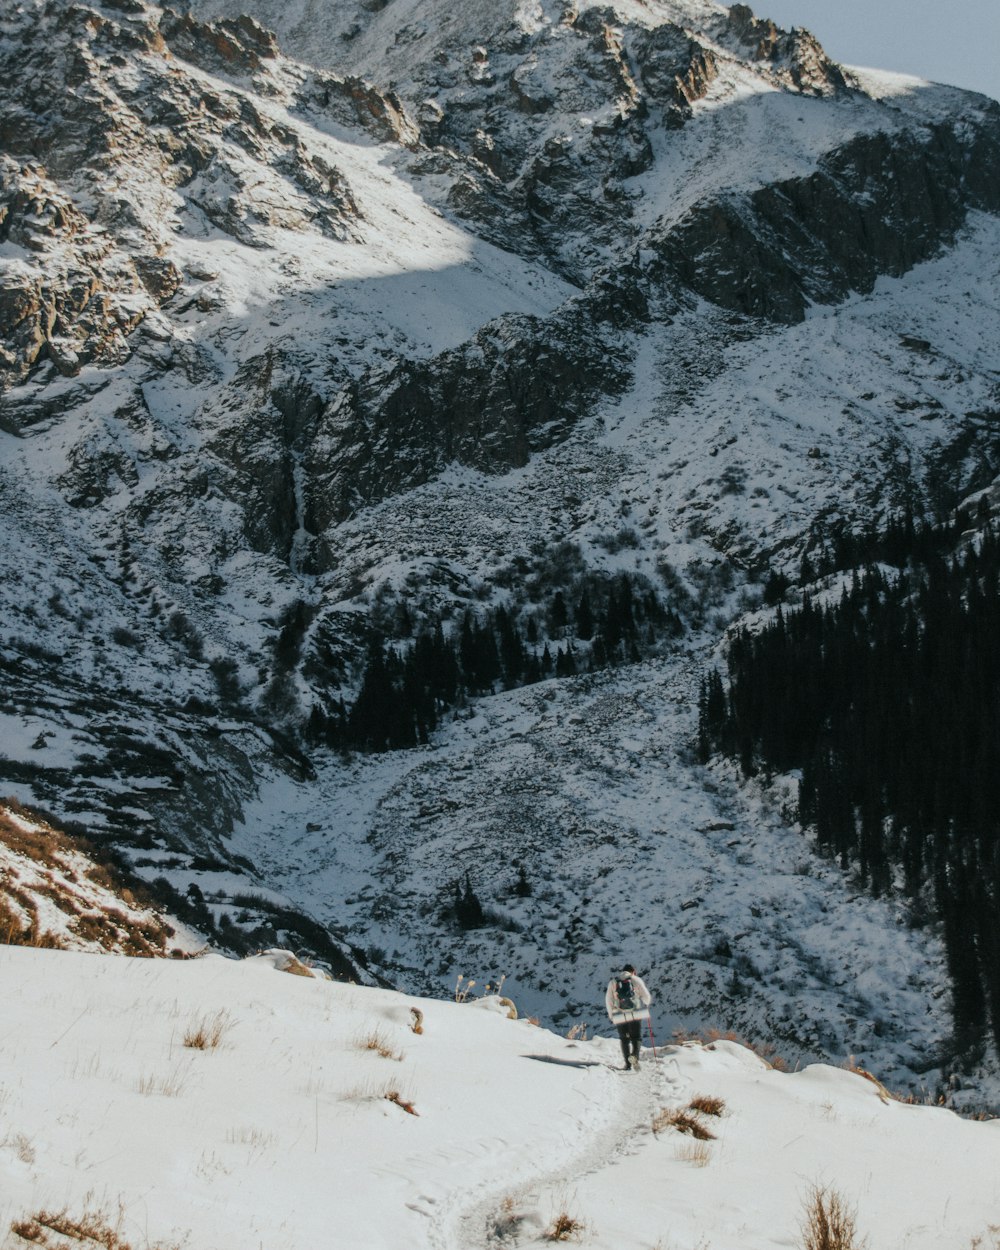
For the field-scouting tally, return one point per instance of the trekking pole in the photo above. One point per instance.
(649, 1021)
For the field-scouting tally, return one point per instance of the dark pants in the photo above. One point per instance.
(629, 1034)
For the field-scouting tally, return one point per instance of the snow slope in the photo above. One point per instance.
(284, 1135)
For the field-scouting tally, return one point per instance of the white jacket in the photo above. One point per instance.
(611, 1001)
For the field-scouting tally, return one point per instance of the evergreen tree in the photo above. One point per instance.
(584, 617)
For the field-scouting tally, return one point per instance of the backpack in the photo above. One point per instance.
(625, 994)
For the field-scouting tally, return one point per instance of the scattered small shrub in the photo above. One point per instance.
(683, 1121)
(828, 1222)
(208, 1032)
(706, 1104)
(375, 1040)
(564, 1227)
(52, 1229)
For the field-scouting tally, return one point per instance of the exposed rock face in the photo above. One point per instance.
(71, 300)
(796, 55)
(675, 70)
(91, 93)
(517, 387)
(240, 45)
(354, 102)
(879, 205)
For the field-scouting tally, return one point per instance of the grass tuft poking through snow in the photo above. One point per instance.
(505, 1222)
(697, 1153)
(170, 1086)
(707, 1104)
(57, 1229)
(683, 1121)
(207, 1033)
(376, 1041)
(564, 1227)
(829, 1222)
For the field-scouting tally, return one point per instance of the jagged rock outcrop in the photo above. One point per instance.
(354, 102)
(878, 205)
(675, 70)
(240, 45)
(105, 142)
(71, 298)
(796, 55)
(518, 386)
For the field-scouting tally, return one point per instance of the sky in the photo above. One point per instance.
(951, 41)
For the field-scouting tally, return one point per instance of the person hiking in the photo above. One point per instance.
(627, 1001)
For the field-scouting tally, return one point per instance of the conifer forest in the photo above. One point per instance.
(885, 701)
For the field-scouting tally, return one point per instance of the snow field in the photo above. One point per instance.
(283, 1135)
(284, 1132)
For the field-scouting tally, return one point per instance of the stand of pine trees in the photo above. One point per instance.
(408, 685)
(888, 701)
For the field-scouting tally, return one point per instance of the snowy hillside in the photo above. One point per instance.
(224, 1104)
(473, 310)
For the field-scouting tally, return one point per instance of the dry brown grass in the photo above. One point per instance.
(296, 967)
(170, 1086)
(884, 1094)
(828, 1222)
(505, 1223)
(208, 1032)
(683, 1121)
(20, 922)
(54, 1230)
(564, 1227)
(376, 1091)
(707, 1104)
(22, 1146)
(61, 862)
(394, 1096)
(697, 1153)
(378, 1043)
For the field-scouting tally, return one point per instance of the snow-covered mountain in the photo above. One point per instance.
(472, 307)
(225, 1104)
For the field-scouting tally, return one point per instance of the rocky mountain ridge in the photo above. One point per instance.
(463, 310)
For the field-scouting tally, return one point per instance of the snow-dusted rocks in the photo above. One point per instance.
(55, 894)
